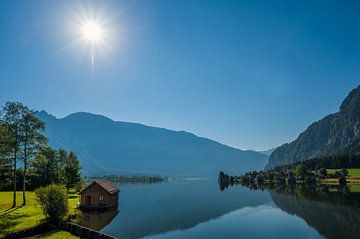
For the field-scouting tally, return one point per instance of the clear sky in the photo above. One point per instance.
(250, 74)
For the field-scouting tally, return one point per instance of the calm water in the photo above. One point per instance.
(198, 209)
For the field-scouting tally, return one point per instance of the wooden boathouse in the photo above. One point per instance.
(99, 194)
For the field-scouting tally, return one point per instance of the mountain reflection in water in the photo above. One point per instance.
(332, 214)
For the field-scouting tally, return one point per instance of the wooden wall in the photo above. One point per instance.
(94, 191)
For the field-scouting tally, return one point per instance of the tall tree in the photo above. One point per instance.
(11, 117)
(33, 140)
(72, 170)
(63, 158)
(46, 166)
(5, 156)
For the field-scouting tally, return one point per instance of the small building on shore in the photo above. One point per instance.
(99, 194)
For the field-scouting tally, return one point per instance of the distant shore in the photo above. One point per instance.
(299, 176)
(133, 179)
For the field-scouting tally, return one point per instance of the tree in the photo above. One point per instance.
(71, 170)
(26, 137)
(58, 167)
(54, 202)
(22, 138)
(62, 158)
(300, 171)
(11, 119)
(5, 156)
(33, 140)
(46, 166)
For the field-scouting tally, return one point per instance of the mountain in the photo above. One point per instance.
(105, 146)
(339, 132)
(266, 152)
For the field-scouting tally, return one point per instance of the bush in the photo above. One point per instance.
(54, 202)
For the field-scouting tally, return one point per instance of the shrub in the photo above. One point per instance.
(54, 202)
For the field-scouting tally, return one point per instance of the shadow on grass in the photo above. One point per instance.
(73, 196)
(9, 221)
(10, 210)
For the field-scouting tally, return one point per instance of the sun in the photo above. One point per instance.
(92, 32)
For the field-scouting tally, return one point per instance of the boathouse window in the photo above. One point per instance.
(101, 198)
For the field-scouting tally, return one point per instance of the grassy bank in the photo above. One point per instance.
(335, 181)
(353, 172)
(353, 178)
(22, 217)
(56, 235)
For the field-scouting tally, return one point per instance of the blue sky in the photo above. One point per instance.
(250, 74)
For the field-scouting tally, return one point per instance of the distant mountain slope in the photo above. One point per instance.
(266, 152)
(107, 146)
(334, 133)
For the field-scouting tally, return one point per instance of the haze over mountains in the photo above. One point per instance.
(105, 146)
(335, 133)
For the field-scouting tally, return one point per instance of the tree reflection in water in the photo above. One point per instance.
(332, 210)
(332, 214)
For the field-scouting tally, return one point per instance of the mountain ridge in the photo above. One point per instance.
(331, 134)
(108, 146)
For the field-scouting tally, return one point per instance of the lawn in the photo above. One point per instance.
(56, 235)
(355, 188)
(21, 217)
(353, 172)
(353, 178)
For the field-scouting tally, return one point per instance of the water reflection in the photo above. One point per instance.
(97, 219)
(332, 214)
(333, 210)
(201, 209)
(154, 209)
(264, 221)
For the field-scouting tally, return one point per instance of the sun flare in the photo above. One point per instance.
(92, 32)
(93, 35)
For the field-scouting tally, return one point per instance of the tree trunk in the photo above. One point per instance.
(14, 199)
(25, 165)
(15, 160)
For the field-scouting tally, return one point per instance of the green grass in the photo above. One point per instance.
(355, 188)
(353, 178)
(22, 217)
(73, 201)
(353, 172)
(56, 235)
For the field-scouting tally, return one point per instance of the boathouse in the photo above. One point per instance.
(99, 194)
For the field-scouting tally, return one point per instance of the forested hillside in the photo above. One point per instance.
(336, 133)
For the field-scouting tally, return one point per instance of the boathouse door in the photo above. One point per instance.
(88, 200)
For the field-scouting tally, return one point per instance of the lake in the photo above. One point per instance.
(194, 208)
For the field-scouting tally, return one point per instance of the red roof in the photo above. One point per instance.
(105, 184)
